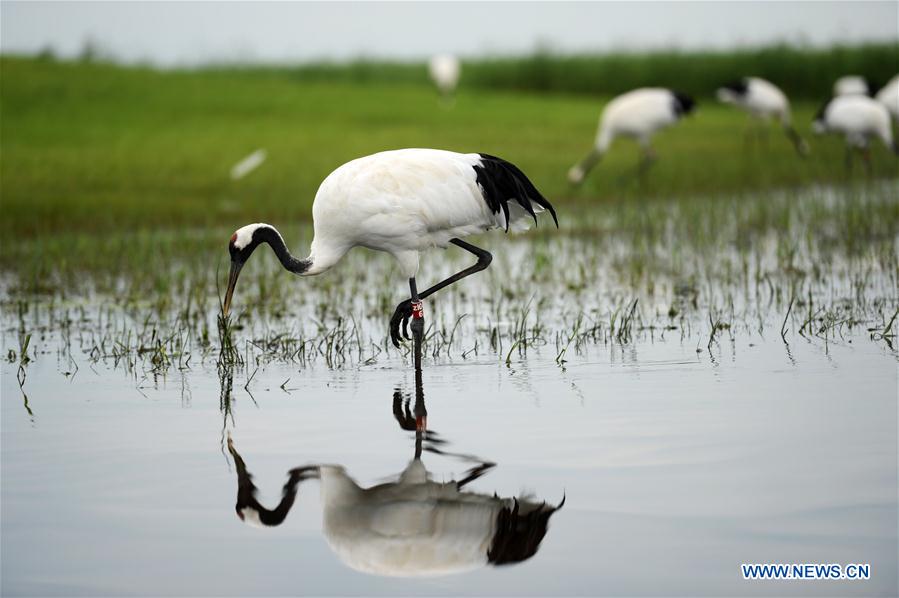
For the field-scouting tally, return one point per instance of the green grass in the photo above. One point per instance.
(95, 148)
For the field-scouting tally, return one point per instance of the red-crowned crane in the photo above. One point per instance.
(858, 118)
(637, 114)
(763, 100)
(403, 202)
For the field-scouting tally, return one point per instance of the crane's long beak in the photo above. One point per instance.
(232, 282)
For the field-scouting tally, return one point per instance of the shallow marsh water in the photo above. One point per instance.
(686, 434)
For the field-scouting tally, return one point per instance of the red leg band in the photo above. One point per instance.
(418, 310)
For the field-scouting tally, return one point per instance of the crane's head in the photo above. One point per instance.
(731, 92)
(243, 242)
(726, 95)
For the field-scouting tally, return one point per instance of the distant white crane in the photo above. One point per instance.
(763, 100)
(851, 85)
(859, 119)
(403, 202)
(889, 97)
(445, 71)
(637, 114)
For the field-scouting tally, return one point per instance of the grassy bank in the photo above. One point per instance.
(95, 148)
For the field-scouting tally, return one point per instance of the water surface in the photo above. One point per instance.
(705, 383)
(676, 466)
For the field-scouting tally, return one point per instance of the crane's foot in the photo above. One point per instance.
(404, 312)
(399, 318)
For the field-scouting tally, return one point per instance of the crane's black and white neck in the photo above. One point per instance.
(248, 508)
(246, 239)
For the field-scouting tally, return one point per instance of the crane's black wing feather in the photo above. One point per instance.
(502, 182)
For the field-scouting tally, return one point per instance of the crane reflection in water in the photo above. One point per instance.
(413, 526)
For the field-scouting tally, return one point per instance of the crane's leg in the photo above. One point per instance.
(474, 473)
(866, 158)
(648, 157)
(421, 413)
(579, 171)
(418, 333)
(404, 310)
(798, 142)
(418, 320)
(404, 416)
(764, 135)
(751, 135)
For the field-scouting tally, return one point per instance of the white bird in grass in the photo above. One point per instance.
(889, 96)
(445, 70)
(403, 202)
(637, 114)
(763, 100)
(858, 118)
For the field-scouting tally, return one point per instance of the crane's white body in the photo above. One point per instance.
(889, 97)
(445, 71)
(761, 99)
(858, 118)
(401, 202)
(637, 114)
(850, 85)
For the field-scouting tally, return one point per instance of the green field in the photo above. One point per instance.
(117, 205)
(99, 148)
